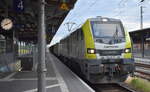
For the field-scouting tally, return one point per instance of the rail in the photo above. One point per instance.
(139, 64)
(114, 87)
(142, 70)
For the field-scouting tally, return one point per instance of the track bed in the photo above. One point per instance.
(111, 88)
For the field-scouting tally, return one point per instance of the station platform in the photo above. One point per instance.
(59, 78)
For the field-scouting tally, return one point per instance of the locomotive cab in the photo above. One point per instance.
(109, 39)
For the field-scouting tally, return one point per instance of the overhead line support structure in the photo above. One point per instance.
(41, 47)
(141, 26)
(70, 25)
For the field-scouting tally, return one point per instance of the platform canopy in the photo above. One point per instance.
(138, 35)
(24, 15)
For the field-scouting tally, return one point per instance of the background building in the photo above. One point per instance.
(141, 42)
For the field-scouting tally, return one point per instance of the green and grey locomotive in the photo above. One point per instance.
(100, 49)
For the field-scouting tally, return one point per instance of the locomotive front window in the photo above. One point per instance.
(108, 32)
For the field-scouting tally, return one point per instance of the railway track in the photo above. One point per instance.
(111, 88)
(142, 70)
(142, 65)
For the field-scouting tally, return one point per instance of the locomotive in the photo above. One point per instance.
(100, 50)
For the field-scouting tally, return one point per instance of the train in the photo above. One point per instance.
(100, 50)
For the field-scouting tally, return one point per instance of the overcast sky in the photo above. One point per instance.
(128, 11)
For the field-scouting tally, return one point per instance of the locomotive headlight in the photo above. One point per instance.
(91, 51)
(127, 50)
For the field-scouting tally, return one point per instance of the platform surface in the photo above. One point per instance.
(59, 79)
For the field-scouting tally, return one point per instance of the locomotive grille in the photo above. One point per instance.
(109, 52)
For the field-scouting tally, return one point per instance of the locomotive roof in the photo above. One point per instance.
(101, 19)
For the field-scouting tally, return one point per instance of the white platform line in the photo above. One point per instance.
(23, 79)
(63, 86)
(27, 79)
(9, 76)
(5, 80)
(51, 86)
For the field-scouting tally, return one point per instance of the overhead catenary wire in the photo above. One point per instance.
(79, 16)
(81, 11)
(121, 5)
(122, 11)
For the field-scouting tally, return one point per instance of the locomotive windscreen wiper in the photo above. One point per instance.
(115, 36)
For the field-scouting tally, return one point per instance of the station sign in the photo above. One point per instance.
(18, 5)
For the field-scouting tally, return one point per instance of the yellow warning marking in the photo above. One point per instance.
(64, 6)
